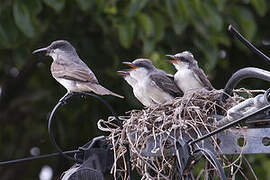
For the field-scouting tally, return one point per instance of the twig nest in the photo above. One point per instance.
(151, 132)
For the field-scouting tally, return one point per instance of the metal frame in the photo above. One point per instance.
(228, 138)
(257, 131)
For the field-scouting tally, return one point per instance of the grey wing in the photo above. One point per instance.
(166, 84)
(202, 78)
(170, 76)
(72, 71)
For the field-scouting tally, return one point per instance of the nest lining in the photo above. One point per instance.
(187, 117)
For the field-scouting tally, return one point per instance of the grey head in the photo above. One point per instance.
(59, 47)
(185, 57)
(141, 68)
(141, 63)
(144, 63)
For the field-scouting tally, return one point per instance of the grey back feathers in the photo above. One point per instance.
(160, 77)
(166, 83)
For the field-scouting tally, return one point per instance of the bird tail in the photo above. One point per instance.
(100, 90)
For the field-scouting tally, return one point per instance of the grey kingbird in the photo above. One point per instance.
(70, 71)
(137, 90)
(154, 82)
(189, 76)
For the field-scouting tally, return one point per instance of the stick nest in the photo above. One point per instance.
(187, 118)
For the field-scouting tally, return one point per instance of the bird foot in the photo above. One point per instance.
(83, 96)
(64, 99)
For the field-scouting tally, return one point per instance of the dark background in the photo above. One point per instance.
(105, 33)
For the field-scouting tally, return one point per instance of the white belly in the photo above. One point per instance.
(186, 80)
(140, 95)
(154, 93)
(68, 84)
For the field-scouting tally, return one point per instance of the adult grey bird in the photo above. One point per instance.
(70, 71)
(137, 90)
(154, 82)
(189, 76)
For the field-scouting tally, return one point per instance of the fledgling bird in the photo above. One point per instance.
(70, 71)
(154, 82)
(137, 90)
(189, 75)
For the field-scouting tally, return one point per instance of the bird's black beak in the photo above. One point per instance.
(43, 51)
(172, 58)
(130, 64)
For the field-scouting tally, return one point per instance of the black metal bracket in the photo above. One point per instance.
(263, 117)
(86, 150)
(207, 153)
(231, 124)
(185, 157)
(63, 101)
(244, 73)
(232, 30)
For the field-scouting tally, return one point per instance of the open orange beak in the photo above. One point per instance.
(123, 73)
(173, 59)
(130, 64)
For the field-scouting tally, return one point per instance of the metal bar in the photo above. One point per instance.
(229, 125)
(36, 157)
(253, 141)
(256, 141)
(232, 30)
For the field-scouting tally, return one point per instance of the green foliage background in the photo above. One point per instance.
(105, 33)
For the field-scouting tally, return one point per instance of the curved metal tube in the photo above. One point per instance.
(214, 160)
(267, 96)
(62, 101)
(249, 72)
(232, 30)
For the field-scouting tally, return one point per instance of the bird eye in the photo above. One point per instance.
(184, 59)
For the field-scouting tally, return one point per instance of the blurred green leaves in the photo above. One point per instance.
(145, 23)
(260, 6)
(159, 25)
(84, 4)
(134, 7)
(25, 17)
(139, 20)
(57, 5)
(245, 19)
(9, 36)
(126, 31)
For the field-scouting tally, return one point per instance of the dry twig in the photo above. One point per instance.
(187, 117)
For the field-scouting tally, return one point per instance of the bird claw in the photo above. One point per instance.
(64, 99)
(83, 96)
